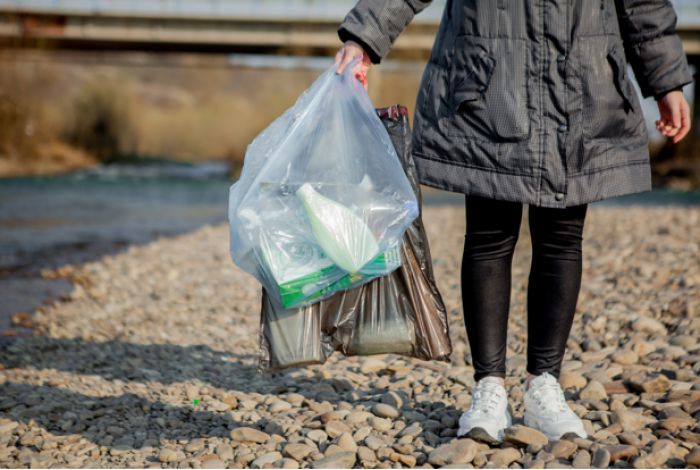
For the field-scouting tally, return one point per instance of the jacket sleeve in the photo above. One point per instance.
(654, 50)
(375, 24)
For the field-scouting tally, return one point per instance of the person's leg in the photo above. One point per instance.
(489, 242)
(554, 284)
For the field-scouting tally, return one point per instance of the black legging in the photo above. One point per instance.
(553, 286)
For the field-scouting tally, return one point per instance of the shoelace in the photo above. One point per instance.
(550, 398)
(486, 397)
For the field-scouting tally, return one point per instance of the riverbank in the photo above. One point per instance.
(48, 222)
(149, 361)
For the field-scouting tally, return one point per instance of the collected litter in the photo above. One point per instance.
(322, 202)
(401, 312)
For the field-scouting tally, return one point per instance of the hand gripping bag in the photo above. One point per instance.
(402, 312)
(322, 202)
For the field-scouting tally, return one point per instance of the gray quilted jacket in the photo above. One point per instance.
(530, 101)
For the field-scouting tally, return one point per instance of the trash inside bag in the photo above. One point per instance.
(401, 312)
(322, 202)
(292, 336)
(331, 223)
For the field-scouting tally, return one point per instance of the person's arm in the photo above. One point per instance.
(655, 52)
(652, 47)
(375, 24)
(658, 96)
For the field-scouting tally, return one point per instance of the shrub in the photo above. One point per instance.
(101, 121)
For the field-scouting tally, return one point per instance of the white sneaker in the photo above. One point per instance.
(546, 409)
(488, 415)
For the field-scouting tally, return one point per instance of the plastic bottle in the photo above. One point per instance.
(344, 237)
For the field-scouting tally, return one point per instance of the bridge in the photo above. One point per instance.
(281, 27)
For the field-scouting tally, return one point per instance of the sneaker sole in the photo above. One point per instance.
(480, 434)
(569, 434)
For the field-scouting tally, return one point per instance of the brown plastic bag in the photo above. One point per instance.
(401, 313)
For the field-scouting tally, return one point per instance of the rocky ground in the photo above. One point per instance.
(151, 362)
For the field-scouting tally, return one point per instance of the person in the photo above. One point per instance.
(530, 103)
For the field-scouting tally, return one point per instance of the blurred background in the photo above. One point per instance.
(126, 120)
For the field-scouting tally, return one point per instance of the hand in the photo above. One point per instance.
(350, 51)
(674, 115)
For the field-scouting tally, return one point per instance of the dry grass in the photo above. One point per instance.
(30, 123)
(153, 109)
(50, 158)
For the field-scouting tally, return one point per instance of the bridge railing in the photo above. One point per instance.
(688, 10)
(264, 9)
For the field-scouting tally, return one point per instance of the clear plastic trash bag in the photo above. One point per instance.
(322, 201)
(401, 312)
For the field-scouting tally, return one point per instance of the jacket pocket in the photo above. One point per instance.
(611, 109)
(624, 86)
(470, 83)
(488, 90)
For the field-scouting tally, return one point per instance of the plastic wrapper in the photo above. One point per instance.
(322, 202)
(402, 312)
